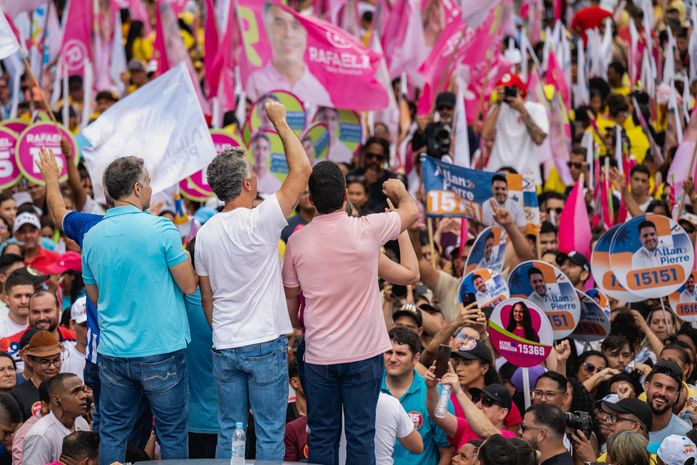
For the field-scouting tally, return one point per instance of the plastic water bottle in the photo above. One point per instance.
(443, 397)
(238, 443)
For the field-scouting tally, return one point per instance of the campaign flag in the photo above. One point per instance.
(15, 7)
(212, 60)
(315, 60)
(406, 49)
(680, 167)
(474, 12)
(9, 44)
(76, 48)
(454, 191)
(574, 226)
(178, 142)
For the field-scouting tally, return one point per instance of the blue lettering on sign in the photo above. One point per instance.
(350, 133)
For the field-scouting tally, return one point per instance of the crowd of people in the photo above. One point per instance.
(313, 307)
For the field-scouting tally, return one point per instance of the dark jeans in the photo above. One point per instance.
(91, 377)
(355, 387)
(202, 445)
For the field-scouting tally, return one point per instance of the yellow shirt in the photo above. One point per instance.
(639, 143)
(142, 49)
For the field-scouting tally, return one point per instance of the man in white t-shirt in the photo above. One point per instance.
(242, 293)
(74, 362)
(18, 290)
(393, 423)
(648, 255)
(516, 127)
(689, 295)
(500, 199)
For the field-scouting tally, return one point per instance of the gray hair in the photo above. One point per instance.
(121, 175)
(226, 173)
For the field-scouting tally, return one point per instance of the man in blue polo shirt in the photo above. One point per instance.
(144, 331)
(403, 382)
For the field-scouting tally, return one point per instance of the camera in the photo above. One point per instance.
(580, 420)
(510, 92)
(438, 140)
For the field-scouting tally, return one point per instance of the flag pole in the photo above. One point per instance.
(41, 92)
(429, 222)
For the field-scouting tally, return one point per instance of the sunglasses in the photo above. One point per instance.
(590, 368)
(578, 166)
(486, 401)
(374, 156)
(524, 427)
(555, 210)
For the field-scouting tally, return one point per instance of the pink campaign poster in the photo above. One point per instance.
(318, 62)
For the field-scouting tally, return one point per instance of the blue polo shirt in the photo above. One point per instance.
(414, 402)
(75, 226)
(127, 256)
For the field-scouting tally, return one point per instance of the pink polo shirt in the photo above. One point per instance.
(334, 260)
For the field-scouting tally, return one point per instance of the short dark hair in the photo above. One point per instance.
(80, 445)
(617, 67)
(646, 224)
(40, 292)
(402, 335)
(496, 450)
(379, 141)
(534, 270)
(498, 177)
(684, 355)
(525, 452)
(56, 383)
(121, 175)
(578, 149)
(615, 342)
(549, 416)
(17, 279)
(327, 187)
(547, 227)
(44, 396)
(556, 377)
(639, 168)
(9, 409)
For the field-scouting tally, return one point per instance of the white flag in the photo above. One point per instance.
(462, 146)
(162, 123)
(8, 41)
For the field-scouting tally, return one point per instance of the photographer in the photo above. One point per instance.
(515, 127)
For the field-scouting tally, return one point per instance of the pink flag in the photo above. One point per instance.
(212, 61)
(311, 58)
(406, 50)
(680, 168)
(139, 13)
(76, 48)
(574, 225)
(555, 76)
(15, 7)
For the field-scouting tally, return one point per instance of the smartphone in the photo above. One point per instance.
(442, 360)
(469, 298)
(510, 92)
(399, 291)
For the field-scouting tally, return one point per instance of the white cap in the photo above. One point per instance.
(78, 311)
(675, 450)
(26, 218)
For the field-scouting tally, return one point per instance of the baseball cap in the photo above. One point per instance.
(675, 450)
(689, 220)
(136, 65)
(43, 344)
(445, 99)
(512, 80)
(33, 274)
(472, 349)
(576, 258)
(668, 368)
(409, 310)
(495, 392)
(26, 218)
(68, 261)
(631, 405)
(78, 310)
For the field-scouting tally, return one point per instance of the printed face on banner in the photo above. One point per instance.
(651, 255)
(488, 250)
(9, 171)
(593, 324)
(549, 290)
(520, 332)
(684, 300)
(601, 299)
(485, 286)
(602, 272)
(308, 57)
(345, 132)
(257, 119)
(31, 141)
(316, 143)
(268, 160)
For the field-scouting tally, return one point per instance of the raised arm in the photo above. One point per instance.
(406, 207)
(407, 270)
(50, 173)
(79, 196)
(520, 243)
(299, 167)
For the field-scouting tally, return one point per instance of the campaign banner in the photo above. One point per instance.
(460, 192)
(188, 190)
(602, 272)
(317, 61)
(222, 140)
(549, 290)
(651, 255)
(593, 324)
(488, 250)
(9, 171)
(521, 333)
(316, 142)
(487, 287)
(600, 299)
(257, 119)
(265, 153)
(684, 300)
(345, 132)
(36, 137)
(15, 125)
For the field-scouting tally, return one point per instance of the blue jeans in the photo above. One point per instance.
(91, 377)
(164, 380)
(255, 375)
(354, 386)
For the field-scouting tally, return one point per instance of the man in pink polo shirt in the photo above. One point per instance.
(333, 261)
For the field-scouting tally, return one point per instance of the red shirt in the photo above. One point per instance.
(296, 440)
(10, 344)
(42, 260)
(589, 18)
(513, 418)
(464, 434)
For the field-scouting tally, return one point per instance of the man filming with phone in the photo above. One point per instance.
(516, 128)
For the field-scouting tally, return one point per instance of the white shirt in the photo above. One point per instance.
(642, 259)
(687, 297)
(538, 300)
(238, 251)
(9, 327)
(74, 361)
(391, 423)
(513, 146)
(493, 262)
(44, 441)
(307, 89)
(511, 205)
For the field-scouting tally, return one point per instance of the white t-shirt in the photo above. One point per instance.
(391, 423)
(73, 361)
(238, 251)
(513, 146)
(9, 327)
(510, 205)
(44, 441)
